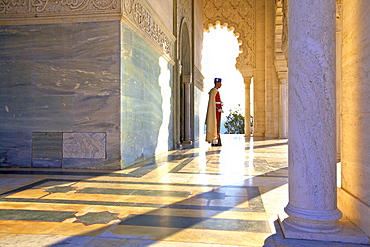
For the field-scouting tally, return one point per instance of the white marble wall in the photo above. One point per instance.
(271, 80)
(259, 73)
(354, 198)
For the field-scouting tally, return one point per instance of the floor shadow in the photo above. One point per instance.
(164, 218)
(217, 200)
(256, 146)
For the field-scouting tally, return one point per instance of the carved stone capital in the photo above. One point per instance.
(281, 63)
(187, 79)
(246, 71)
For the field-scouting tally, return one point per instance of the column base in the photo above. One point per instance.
(271, 135)
(179, 146)
(255, 134)
(349, 233)
(316, 221)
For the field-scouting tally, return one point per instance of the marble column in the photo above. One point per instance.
(283, 111)
(339, 76)
(187, 80)
(312, 206)
(247, 110)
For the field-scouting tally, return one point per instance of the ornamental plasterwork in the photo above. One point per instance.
(142, 18)
(34, 7)
(184, 11)
(184, 8)
(285, 11)
(239, 16)
(281, 63)
(339, 16)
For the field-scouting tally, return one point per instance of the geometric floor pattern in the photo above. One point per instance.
(203, 196)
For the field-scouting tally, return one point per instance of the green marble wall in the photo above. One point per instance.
(146, 102)
(56, 79)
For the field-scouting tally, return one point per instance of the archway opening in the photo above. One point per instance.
(184, 91)
(220, 50)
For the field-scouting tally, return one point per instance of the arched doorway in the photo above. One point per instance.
(220, 50)
(184, 116)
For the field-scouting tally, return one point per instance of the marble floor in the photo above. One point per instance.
(203, 196)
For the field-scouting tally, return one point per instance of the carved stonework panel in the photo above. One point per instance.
(17, 7)
(141, 18)
(239, 16)
(184, 11)
(339, 15)
(281, 63)
(285, 11)
(84, 145)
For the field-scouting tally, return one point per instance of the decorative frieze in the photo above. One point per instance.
(285, 31)
(141, 17)
(281, 63)
(34, 7)
(339, 15)
(184, 8)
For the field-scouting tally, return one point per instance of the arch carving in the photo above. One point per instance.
(185, 51)
(237, 16)
(339, 14)
(184, 8)
(281, 63)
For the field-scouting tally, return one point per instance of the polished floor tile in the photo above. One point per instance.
(202, 196)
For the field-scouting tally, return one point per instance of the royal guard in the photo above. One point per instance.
(213, 118)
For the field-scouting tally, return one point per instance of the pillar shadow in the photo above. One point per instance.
(165, 219)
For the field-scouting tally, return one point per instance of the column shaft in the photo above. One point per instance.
(312, 203)
(283, 109)
(247, 126)
(187, 112)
